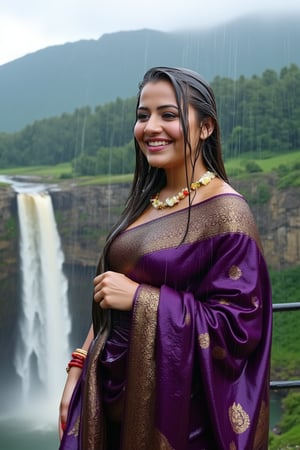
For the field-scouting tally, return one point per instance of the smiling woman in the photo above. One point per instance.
(158, 127)
(182, 300)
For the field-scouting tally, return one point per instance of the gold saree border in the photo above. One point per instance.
(139, 428)
(221, 214)
(225, 213)
(262, 430)
(93, 426)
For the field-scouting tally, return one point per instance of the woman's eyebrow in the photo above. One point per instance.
(160, 107)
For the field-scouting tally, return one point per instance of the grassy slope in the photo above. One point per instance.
(267, 164)
(61, 172)
(286, 330)
(234, 166)
(287, 164)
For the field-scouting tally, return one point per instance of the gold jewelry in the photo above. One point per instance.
(78, 357)
(172, 201)
(82, 351)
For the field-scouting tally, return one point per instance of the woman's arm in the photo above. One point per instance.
(72, 379)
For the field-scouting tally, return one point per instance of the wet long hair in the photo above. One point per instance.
(190, 90)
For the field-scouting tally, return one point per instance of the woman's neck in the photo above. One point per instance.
(177, 180)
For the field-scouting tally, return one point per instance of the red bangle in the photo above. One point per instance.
(78, 355)
(75, 364)
(80, 361)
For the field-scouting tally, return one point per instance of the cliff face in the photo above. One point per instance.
(279, 224)
(8, 232)
(85, 214)
(277, 213)
(9, 279)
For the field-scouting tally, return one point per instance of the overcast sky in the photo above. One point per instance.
(29, 25)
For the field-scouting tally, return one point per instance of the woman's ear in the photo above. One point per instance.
(207, 127)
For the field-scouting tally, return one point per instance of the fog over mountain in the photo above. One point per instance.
(62, 78)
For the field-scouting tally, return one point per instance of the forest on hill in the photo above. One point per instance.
(257, 114)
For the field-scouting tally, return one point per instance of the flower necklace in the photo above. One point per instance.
(172, 201)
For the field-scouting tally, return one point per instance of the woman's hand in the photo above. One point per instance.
(72, 379)
(114, 290)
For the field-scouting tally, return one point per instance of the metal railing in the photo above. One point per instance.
(280, 307)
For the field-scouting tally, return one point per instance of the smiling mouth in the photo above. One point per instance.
(157, 143)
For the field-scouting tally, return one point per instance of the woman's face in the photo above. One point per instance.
(158, 129)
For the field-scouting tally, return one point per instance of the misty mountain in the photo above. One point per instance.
(62, 78)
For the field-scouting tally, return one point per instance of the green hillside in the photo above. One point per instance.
(62, 78)
(286, 356)
(286, 165)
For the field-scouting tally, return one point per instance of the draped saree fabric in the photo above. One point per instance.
(188, 368)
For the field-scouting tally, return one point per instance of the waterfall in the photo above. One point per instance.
(43, 348)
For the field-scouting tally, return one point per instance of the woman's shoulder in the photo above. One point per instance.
(226, 210)
(222, 187)
(220, 190)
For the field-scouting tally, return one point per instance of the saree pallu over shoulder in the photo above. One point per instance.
(139, 432)
(197, 373)
(213, 337)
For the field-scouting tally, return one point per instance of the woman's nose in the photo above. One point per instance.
(153, 125)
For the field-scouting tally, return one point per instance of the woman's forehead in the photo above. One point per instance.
(158, 91)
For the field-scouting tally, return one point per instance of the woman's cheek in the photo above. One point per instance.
(138, 131)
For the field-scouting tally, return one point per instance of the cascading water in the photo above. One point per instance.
(43, 348)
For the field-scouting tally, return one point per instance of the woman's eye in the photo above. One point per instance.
(169, 115)
(142, 116)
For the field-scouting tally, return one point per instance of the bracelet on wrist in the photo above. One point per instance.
(78, 358)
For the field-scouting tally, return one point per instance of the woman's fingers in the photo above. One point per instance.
(114, 290)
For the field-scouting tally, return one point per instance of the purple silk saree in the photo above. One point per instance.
(189, 367)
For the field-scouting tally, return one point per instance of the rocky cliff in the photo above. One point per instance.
(84, 216)
(9, 278)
